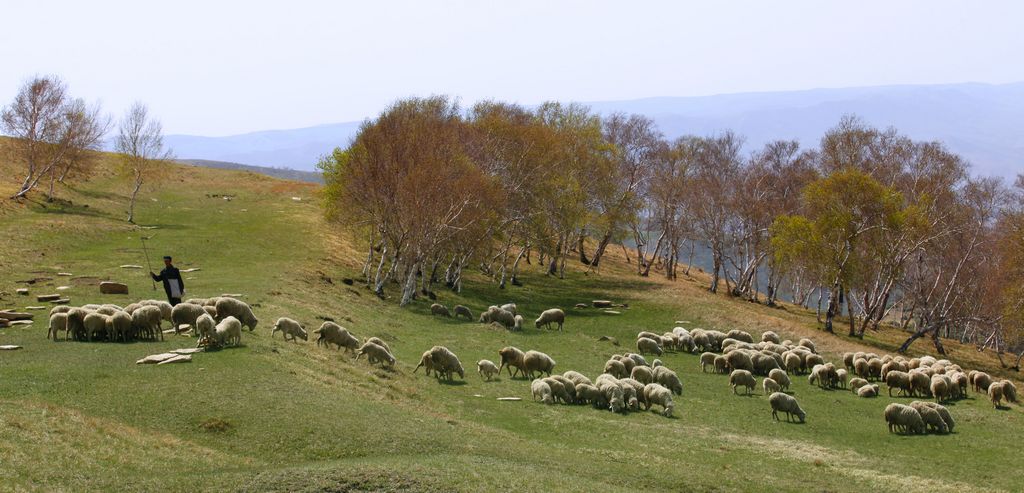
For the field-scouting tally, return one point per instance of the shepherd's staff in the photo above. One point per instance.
(144, 238)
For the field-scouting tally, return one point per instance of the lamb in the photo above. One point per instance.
(439, 309)
(205, 326)
(841, 377)
(995, 393)
(904, 419)
(230, 307)
(377, 354)
(770, 386)
(896, 379)
(645, 345)
(742, 378)
(186, 314)
(642, 374)
(426, 362)
(931, 417)
(496, 314)
(787, 404)
(228, 331)
(145, 319)
(576, 377)
(780, 377)
(548, 317)
(542, 390)
(657, 394)
(706, 360)
(534, 361)
(856, 384)
(511, 357)
(119, 326)
(558, 390)
(58, 322)
(289, 327)
(517, 323)
(868, 391)
(721, 365)
(769, 336)
(95, 324)
(462, 311)
(668, 379)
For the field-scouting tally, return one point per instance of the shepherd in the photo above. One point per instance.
(173, 285)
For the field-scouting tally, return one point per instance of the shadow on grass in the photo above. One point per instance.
(59, 206)
(453, 383)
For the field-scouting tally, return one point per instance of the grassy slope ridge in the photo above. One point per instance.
(294, 417)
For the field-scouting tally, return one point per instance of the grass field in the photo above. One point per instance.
(276, 416)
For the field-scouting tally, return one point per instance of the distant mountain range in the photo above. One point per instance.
(982, 122)
(285, 173)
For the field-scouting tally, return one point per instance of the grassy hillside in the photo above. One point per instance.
(276, 416)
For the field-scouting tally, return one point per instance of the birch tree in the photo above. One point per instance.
(140, 143)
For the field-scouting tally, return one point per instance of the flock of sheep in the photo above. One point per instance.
(628, 382)
(216, 322)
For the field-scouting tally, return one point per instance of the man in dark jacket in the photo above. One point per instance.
(173, 285)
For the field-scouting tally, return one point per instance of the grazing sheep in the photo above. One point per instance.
(807, 343)
(95, 325)
(289, 327)
(920, 383)
(626, 361)
(769, 336)
(668, 379)
(645, 345)
(517, 323)
(739, 360)
(841, 377)
(904, 419)
(856, 384)
(439, 309)
(230, 307)
(576, 377)
(558, 390)
(445, 362)
(868, 391)
(657, 394)
(119, 326)
(60, 309)
(740, 335)
(540, 389)
(614, 395)
(780, 377)
(848, 360)
(721, 365)
(932, 419)
(787, 404)
(510, 307)
(793, 362)
(511, 357)
(706, 360)
(495, 314)
(742, 378)
(377, 354)
(569, 385)
(656, 363)
(58, 322)
(940, 387)
(548, 317)
(642, 374)
(875, 368)
(426, 362)
(165, 308)
(587, 393)
(638, 360)
(899, 380)
(145, 320)
(1009, 391)
(228, 331)
(536, 361)
(616, 368)
(332, 333)
(770, 386)
(686, 343)
(212, 311)
(462, 311)
(701, 341)
(379, 342)
(763, 364)
(943, 413)
(860, 368)
(186, 314)
(981, 381)
(995, 393)
(205, 326)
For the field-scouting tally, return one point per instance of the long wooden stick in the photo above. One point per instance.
(146, 252)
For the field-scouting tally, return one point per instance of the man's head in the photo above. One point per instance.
(167, 260)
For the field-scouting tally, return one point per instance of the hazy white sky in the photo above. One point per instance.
(217, 68)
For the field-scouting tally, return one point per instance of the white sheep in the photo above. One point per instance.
(58, 323)
(332, 333)
(517, 323)
(769, 336)
(931, 417)
(119, 326)
(668, 379)
(904, 419)
(645, 345)
(145, 320)
(230, 307)
(536, 361)
(616, 368)
(186, 314)
(642, 374)
(462, 311)
(511, 357)
(439, 309)
(487, 369)
(376, 354)
(548, 317)
(657, 394)
(205, 327)
(559, 391)
(995, 392)
(787, 404)
(540, 389)
(706, 360)
(780, 377)
(164, 307)
(289, 327)
(868, 391)
(742, 378)
(898, 380)
(770, 386)
(510, 307)
(576, 377)
(445, 362)
(228, 331)
(95, 325)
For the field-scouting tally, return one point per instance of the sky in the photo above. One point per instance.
(219, 68)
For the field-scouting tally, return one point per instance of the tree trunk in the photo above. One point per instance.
(515, 265)
(409, 290)
(689, 260)
(378, 280)
(583, 252)
(657, 248)
(833, 307)
(135, 192)
(600, 249)
(849, 311)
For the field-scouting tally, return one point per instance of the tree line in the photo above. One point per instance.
(57, 138)
(869, 221)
